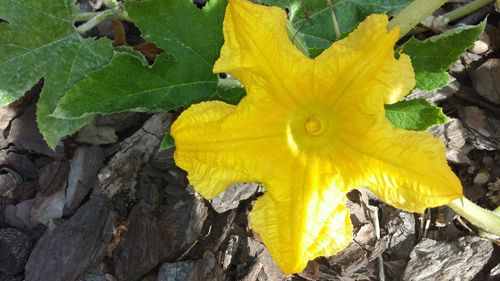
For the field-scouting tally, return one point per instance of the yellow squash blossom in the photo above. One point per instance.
(310, 130)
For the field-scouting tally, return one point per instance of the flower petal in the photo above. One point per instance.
(257, 51)
(220, 145)
(406, 169)
(302, 215)
(364, 57)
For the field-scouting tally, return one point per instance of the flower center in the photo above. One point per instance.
(313, 126)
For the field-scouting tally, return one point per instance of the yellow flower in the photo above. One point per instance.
(310, 130)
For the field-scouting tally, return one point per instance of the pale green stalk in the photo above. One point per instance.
(485, 220)
(467, 9)
(296, 38)
(94, 18)
(334, 20)
(414, 13)
(111, 4)
(85, 16)
(98, 18)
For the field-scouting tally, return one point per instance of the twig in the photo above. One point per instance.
(380, 259)
(427, 222)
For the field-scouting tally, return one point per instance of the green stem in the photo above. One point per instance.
(414, 13)
(297, 38)
(483, 219)
(111, 4)
(98, 18)
(85, 16)
(94, 18)
(466, 9)
(334, 20)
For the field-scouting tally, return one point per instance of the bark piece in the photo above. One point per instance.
(9, 180)
(483, 130)
(97, 135)
(440, 260)
(24, 134)
(53, 177)
(231, 251)
(25, 191)
(48, 207)
(119, 121)
(231, 197)
(207, 269)
(454, 136)
(94, 274)
(15, 247)
(8, 277)
(349, 260)
(9, 113)
(437, 95)
(493, 34)
(19, 163)
(261, 265)
(121, 172)
(486, 80)
(148, 189)
(140, 248)
(176, 271)
(71, 249)
(84, 166)
(181, 221)
(19, 216)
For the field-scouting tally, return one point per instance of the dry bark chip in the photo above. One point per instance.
(140, 248)
(15, 247)
(486, 80)
(84, 166)
(120, 174)
(24, 134)
(231, 197)
(181, 222)
(53, 177)
(458, 260)
(177, 271)
(68, 251)
(483, 129)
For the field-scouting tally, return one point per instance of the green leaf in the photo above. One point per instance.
(432, 57)
(416, 115)
(167, 142)
(179, 77)
(229, 90)
(38, 41)
(313, 18)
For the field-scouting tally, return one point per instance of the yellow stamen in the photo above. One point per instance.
(313, 126)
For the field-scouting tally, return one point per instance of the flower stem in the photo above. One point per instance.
(414, 13)
(486, 220)
(466, 9)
